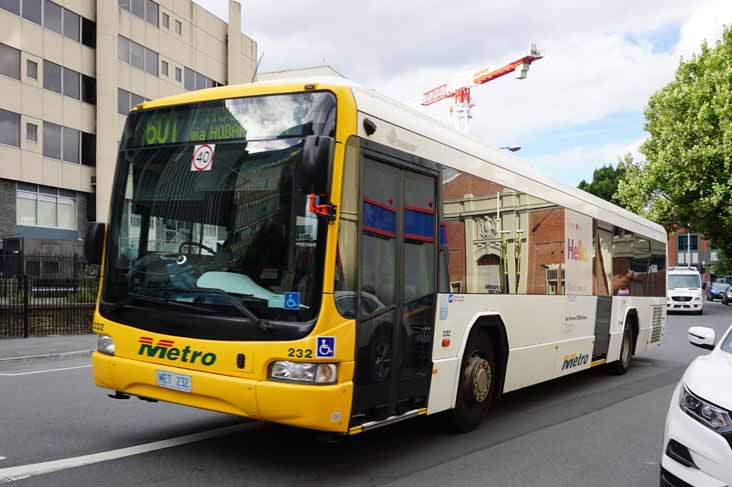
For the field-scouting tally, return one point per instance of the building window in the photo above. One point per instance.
(31, 132)
(151, 12)
(31, 69)
(72, 25)
(123, 101)
(88, 89)
(33, 11)
(71, 83)
(51, 140)
(683, 243)
(164, 68)
(12, 6)
(88, 33)
(52, 76)
(196, 81)
(190, 79)
(166, 21)
(88, 149)
(687, 249)
(70, 146)
(178, 74)
(136, 100)
(45, 206)
(123, 49)
(178, 27)
(9, 128)
(52, 16)
(9, 61)
(126, 101)
(137, 55)
(151, 62)
(145, 9)
(137, 7)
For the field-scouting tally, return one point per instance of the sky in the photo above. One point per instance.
(580, 107)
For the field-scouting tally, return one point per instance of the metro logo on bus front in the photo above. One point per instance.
(165, 349)
(573, 360)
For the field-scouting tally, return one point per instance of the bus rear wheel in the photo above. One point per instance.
(477, 386)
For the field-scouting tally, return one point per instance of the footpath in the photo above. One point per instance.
(58, 346)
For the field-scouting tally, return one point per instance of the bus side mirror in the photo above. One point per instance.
(94, 243)
(313, 174)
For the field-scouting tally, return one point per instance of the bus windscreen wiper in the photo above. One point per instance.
(129, 297)
(263, 324)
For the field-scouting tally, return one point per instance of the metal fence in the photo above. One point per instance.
(46, 295)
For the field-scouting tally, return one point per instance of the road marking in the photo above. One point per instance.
(12, 474)
(50, 355)
(44, 371)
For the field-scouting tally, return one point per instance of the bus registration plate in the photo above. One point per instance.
(177, 382)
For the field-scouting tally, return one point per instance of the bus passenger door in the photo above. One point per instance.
(395, 325)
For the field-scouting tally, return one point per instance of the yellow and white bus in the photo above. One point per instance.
(311, 253)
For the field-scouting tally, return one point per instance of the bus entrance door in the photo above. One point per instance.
(398, 255)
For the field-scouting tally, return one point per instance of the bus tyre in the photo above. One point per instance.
(477, 386)
(621, 366)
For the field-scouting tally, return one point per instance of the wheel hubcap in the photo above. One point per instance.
(480, 378)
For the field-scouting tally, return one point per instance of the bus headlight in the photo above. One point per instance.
(105, 345)
(303, 372)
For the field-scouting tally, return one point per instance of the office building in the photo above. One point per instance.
(70, 70)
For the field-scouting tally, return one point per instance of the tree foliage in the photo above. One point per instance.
(687, 176)
(723, 265)
(604, 182)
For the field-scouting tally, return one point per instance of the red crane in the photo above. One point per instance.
(460, 91)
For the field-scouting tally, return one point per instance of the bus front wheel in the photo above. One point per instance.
(621, 366)
(477, 386)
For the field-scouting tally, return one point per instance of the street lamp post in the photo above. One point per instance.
(512, 148)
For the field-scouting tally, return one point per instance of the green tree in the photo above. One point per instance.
(723, 265)
(687, 176)
(604, 182)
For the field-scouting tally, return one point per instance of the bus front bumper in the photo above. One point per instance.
(319, 407)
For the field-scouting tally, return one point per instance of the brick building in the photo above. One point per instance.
(691, 249)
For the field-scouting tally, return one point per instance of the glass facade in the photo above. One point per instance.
(44, 206)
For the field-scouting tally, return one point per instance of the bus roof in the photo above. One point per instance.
(433, 137)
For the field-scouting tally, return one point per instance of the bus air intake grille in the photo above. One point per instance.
(656, 324)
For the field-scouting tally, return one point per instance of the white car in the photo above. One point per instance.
(684, 292)
(697, 442)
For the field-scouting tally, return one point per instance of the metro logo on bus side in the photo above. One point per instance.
(573, 360)
(165, 350)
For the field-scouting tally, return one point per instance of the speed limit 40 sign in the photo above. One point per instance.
(203, 157)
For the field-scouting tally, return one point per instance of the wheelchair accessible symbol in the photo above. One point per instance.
(325, 347)
(292, 300)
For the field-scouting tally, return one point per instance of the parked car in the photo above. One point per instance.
(717, 290)
(727, 296)
(697, 442)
